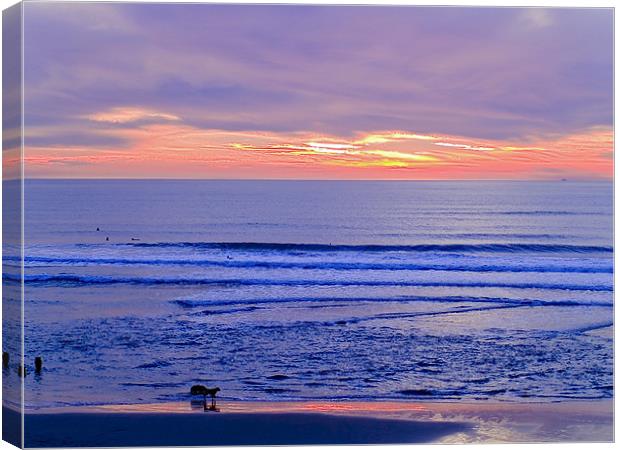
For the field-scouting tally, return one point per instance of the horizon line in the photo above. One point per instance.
(311, 179)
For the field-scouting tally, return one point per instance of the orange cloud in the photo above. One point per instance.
(173, 149)
(382, 138)
(127, 114)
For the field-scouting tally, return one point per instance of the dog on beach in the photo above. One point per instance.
(199, 389)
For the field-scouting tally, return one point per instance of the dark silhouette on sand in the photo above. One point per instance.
(199, 389)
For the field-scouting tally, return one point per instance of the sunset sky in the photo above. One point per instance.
(223, 91)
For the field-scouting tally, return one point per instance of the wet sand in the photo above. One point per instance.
(297, 423)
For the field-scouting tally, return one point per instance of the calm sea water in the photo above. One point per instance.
(277, 290)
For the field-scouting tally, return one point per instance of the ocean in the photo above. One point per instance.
(304, 290)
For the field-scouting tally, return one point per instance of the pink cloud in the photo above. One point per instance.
(177, 150)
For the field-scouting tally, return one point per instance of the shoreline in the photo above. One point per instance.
(347, 407)
(323, 422)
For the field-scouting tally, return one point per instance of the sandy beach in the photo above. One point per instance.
(297, 423)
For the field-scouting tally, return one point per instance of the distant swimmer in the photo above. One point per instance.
(98, 229)
(228, 257)
(107, 238)
(135, 239)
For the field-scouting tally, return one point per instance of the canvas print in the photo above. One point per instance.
(230, 224)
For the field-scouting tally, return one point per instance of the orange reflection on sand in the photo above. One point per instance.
(366, 408)
(362, 406)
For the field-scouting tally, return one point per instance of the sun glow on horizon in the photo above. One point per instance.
(164, 145)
